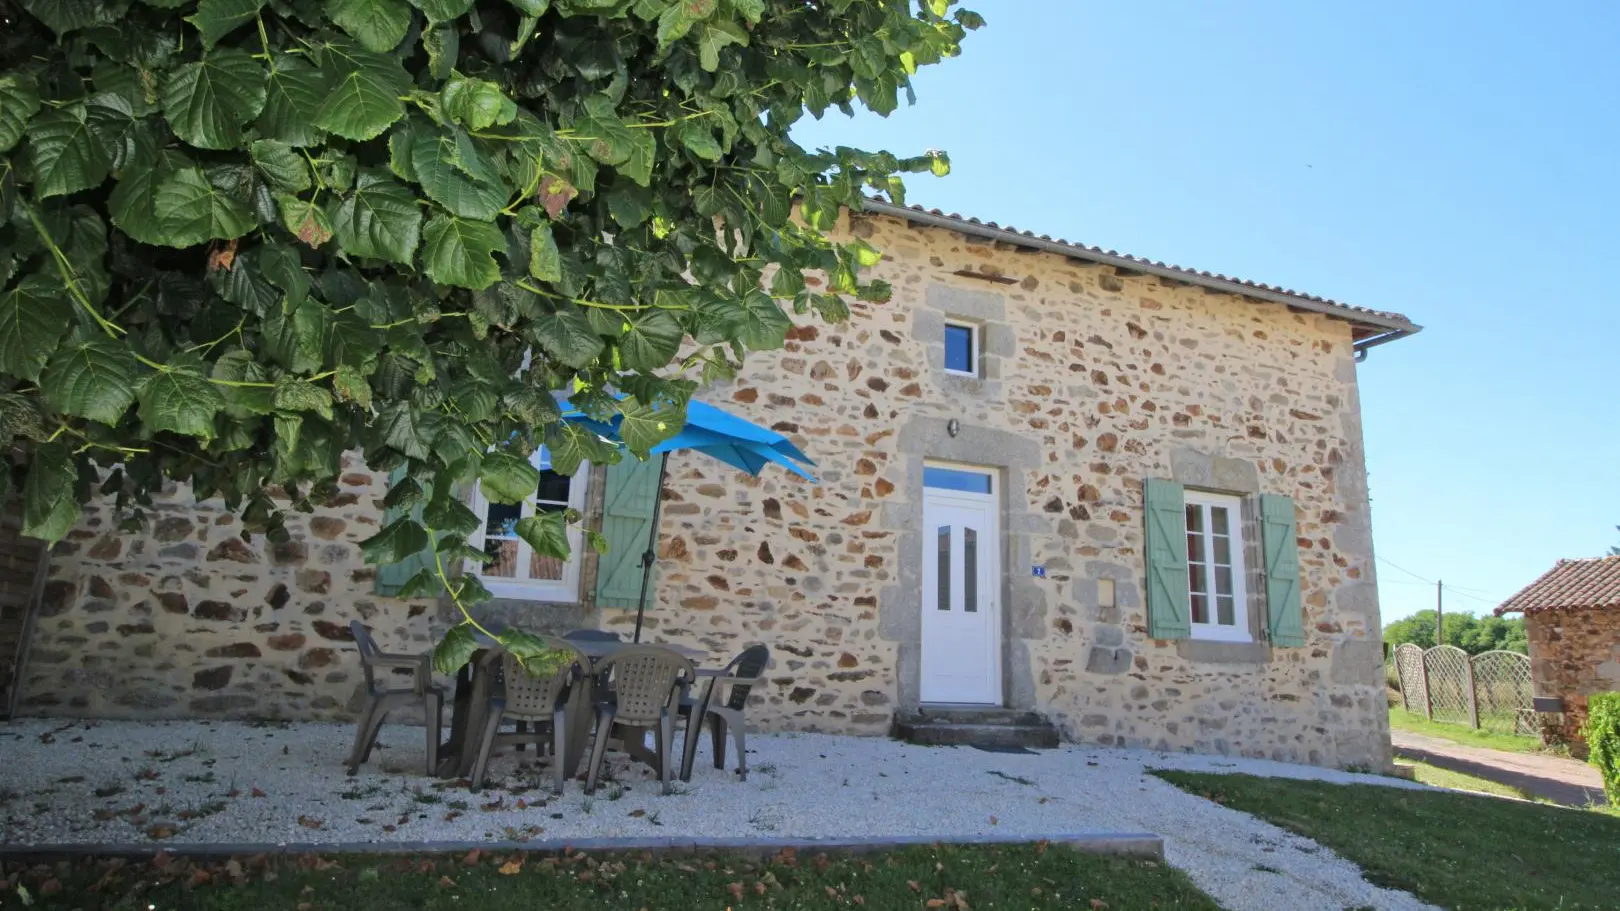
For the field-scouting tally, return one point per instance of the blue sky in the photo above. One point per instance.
(1456, 162)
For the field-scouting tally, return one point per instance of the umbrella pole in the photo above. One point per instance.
(651, 553)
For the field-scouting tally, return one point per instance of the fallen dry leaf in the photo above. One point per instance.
(305, 906)
(451, 816)
(446, 882)
(915, 886)
(736, 890)
(1098, 904)
(511, 868)
(471, 860)
(310, 822)
(994, 821)
(160, 832)
(935, 903)
(258, 793)
(50, 886)
(831, 892)
(759, 888)
(637, 814)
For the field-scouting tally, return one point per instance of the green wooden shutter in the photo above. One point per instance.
(627, 514)
(1169, 616)
(390, 579)
(1278, 537)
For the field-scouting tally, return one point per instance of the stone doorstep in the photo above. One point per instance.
(975, 726)
(935, 714)
(1118, 844)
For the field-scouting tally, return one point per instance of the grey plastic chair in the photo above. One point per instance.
(592, 635)
(386, 691)
(647, 683)
(720, 709)
(538, 705)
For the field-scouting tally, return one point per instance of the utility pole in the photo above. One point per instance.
(1439, 613)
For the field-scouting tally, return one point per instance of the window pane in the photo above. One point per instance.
(944, 567)
(502, 519)
(959, 349)
(553, 487)
(1217, 516)
(505, 552)
(1197, 578)
(1225, 612)
(546, 568)
(1200, 609)
(1195, 519)
(1195, 547)
(955, 479)
(1223, 580)
(970, 570)
(1223, 550)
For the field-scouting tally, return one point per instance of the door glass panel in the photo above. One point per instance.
(954, 479)
(944, 570)
(1225, 614)
(1200, 608)
(1195, 519)
(553, 487)
(970, 570)
(1223, 551)
(1197, 581)
(1223, 580)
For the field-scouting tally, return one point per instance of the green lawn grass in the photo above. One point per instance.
(1458, 781)
(1462, 734)
(1458, 851)
(957, 878)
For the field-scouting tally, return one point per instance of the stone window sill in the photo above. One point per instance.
(1206, 651)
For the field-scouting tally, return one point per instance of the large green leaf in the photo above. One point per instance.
(761, 324)
(190, 209)
(283, 168)
(180, 402)
(215, 19)
(605, 136)
(454, 650)
(714, 37)
(441, 168)
(651, 340)
(50, 500)
(242, 384)
(506, 477)
(402, 538)
(297, 394)
(66, 153)
(566, 335)
(443, 10)
(307, 220)
(62, 16)
(93, 378)
(545, 262)
(133, 204)
(569, 445)
(379, 25)
(19, 99)
(208, 102)
(380, 221)
(33, 317)
(365, 91)
(401, 429)
(645, 426)
(477, 103)
(547, 533)
(446, 513)
(293, 92)
(460, 252)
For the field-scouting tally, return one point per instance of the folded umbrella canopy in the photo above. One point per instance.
(718, 434)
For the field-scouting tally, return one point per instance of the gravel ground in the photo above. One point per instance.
(199, 782)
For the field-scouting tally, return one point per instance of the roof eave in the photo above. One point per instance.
(1384, 329)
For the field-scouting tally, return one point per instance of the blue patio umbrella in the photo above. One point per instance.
(718, 434)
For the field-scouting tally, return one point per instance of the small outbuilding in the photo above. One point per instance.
(1572, 618)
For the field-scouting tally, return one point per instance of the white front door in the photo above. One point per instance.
(961, 627)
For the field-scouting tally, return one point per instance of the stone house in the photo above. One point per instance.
(1128, 496)
(1572, 619)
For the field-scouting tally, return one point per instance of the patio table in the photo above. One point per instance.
(470, 707)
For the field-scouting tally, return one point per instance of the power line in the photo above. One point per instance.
(1482, 597)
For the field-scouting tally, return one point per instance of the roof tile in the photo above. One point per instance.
(1593, 583)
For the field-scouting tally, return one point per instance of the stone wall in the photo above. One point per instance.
(1573, 654)
(1092, 380)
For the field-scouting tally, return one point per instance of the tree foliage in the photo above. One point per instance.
(1473, 635)
(239, 238)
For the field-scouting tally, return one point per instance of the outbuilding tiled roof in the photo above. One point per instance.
(1371, 322)
(1591, 583)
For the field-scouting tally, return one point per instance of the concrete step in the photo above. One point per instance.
(975, 726)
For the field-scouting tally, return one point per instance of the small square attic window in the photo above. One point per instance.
(962, 349)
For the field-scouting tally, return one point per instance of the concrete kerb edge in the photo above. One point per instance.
(1135, 845)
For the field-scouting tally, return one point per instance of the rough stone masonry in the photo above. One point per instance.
(1091, 380)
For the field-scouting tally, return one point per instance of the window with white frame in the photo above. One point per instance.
(962, 349)
(1215, 580)
(517, 571)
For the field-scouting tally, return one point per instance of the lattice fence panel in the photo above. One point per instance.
(1447, 668)
(1409, 667)
(1502, 688)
